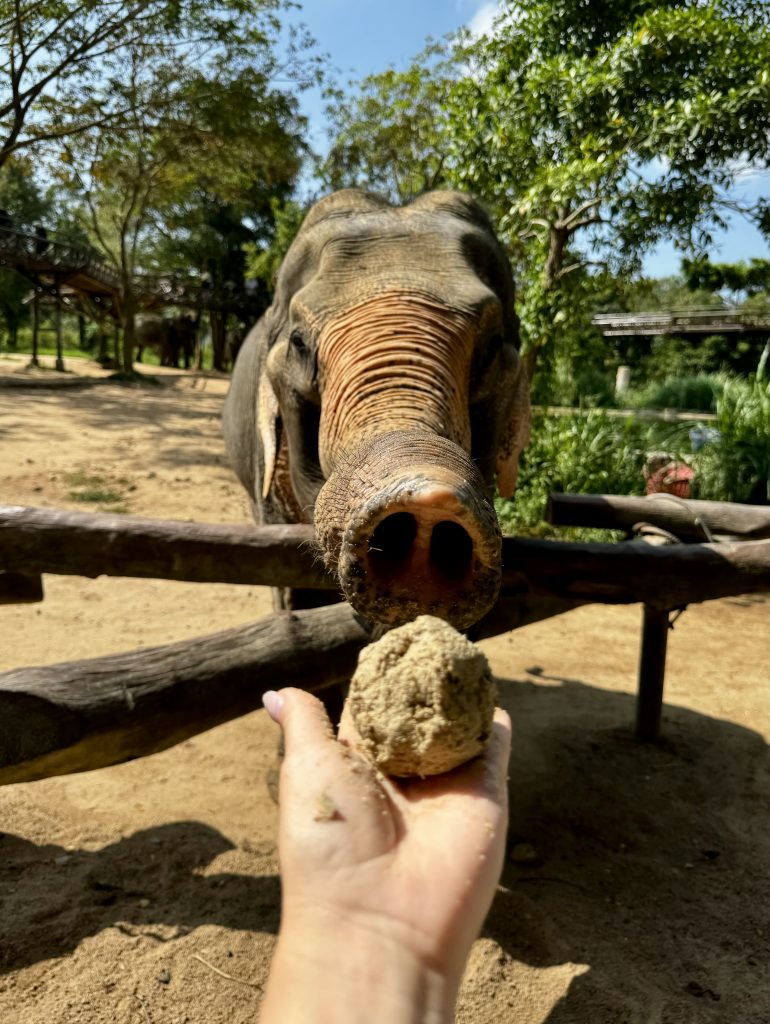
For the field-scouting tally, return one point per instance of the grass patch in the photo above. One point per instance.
(93, 489)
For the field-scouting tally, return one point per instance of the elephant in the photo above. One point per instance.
(183, 336)
(380, 397)
(152, 331)
(169, 338)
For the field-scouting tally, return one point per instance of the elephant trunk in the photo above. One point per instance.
(398, 361)
(407, 521)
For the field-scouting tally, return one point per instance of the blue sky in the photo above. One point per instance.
(364, 36)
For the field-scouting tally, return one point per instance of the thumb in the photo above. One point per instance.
(302, 717)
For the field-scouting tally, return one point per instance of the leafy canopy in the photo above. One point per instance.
(62, 64)
(590, 129)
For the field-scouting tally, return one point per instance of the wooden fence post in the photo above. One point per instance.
(652, 672)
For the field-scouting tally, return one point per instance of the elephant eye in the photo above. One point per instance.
(297, 342)
(489, 351)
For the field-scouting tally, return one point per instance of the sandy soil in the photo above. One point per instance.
(148, 893)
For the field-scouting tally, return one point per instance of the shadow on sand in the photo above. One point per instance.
(649, 867)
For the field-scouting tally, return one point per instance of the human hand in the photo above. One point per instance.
(407, 865)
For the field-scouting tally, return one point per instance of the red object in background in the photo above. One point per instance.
(674, 478)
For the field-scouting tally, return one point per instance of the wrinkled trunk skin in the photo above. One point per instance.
(404, 516)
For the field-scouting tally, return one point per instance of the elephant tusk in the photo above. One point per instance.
(267, 426)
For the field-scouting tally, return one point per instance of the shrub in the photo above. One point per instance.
(692, 393)
(737, 467)
(586, 453)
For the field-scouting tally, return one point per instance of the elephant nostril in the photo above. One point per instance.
(392, 539)
(451, 549)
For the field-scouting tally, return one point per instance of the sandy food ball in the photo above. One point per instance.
(422, 699)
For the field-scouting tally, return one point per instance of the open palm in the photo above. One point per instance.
(416, 861)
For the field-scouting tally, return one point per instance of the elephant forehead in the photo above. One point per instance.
(384, 251)
(326, 299)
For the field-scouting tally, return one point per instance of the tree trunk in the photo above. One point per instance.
(101, 343)
(557, 243)
(34, 361)
(126, 362)
(218, 339)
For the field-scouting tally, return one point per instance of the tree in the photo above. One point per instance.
(22, 198)
(60, 61)
(743, 280)
(193, 136)
(593, 130)
(264, 258)
(388, 133)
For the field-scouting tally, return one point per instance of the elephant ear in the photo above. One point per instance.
(514, 434)
(268, 414)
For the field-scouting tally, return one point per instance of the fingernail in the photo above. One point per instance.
(273, 703)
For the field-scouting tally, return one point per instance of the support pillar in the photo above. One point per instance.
(59, 351)
(652, 672)
(34, 361)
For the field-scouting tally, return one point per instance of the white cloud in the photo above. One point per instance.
(481, 22)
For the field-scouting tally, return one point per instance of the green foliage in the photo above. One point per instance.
(64, 66)
(578, 384)
(747, 278)
(587, 453)
(593, 453)
(264, 259)
(737, 468)
(698, 394)
(21, 197)
(13, 290)
(590, 130)
(202, 147)
(621, 294)
(389, 131)
(20, 193)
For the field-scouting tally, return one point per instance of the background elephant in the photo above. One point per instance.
(152, 331)
(381, 395)
(170, 338)
(183, 335)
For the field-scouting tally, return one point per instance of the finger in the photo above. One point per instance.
(498, 752)
(302, 717)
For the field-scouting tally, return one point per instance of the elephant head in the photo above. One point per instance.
(389, 395)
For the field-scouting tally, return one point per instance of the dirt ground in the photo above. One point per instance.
(148, 893)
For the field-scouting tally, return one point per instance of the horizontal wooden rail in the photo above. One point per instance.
(70, 543)
(81, 544)
(81, 715)
(686, 518)
(633, 571)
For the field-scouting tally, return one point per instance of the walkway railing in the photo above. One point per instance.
(685, 321)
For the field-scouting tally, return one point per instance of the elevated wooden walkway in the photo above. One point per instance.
(684, 322)
(75, 277)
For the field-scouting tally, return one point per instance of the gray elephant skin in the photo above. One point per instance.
(382, 396)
